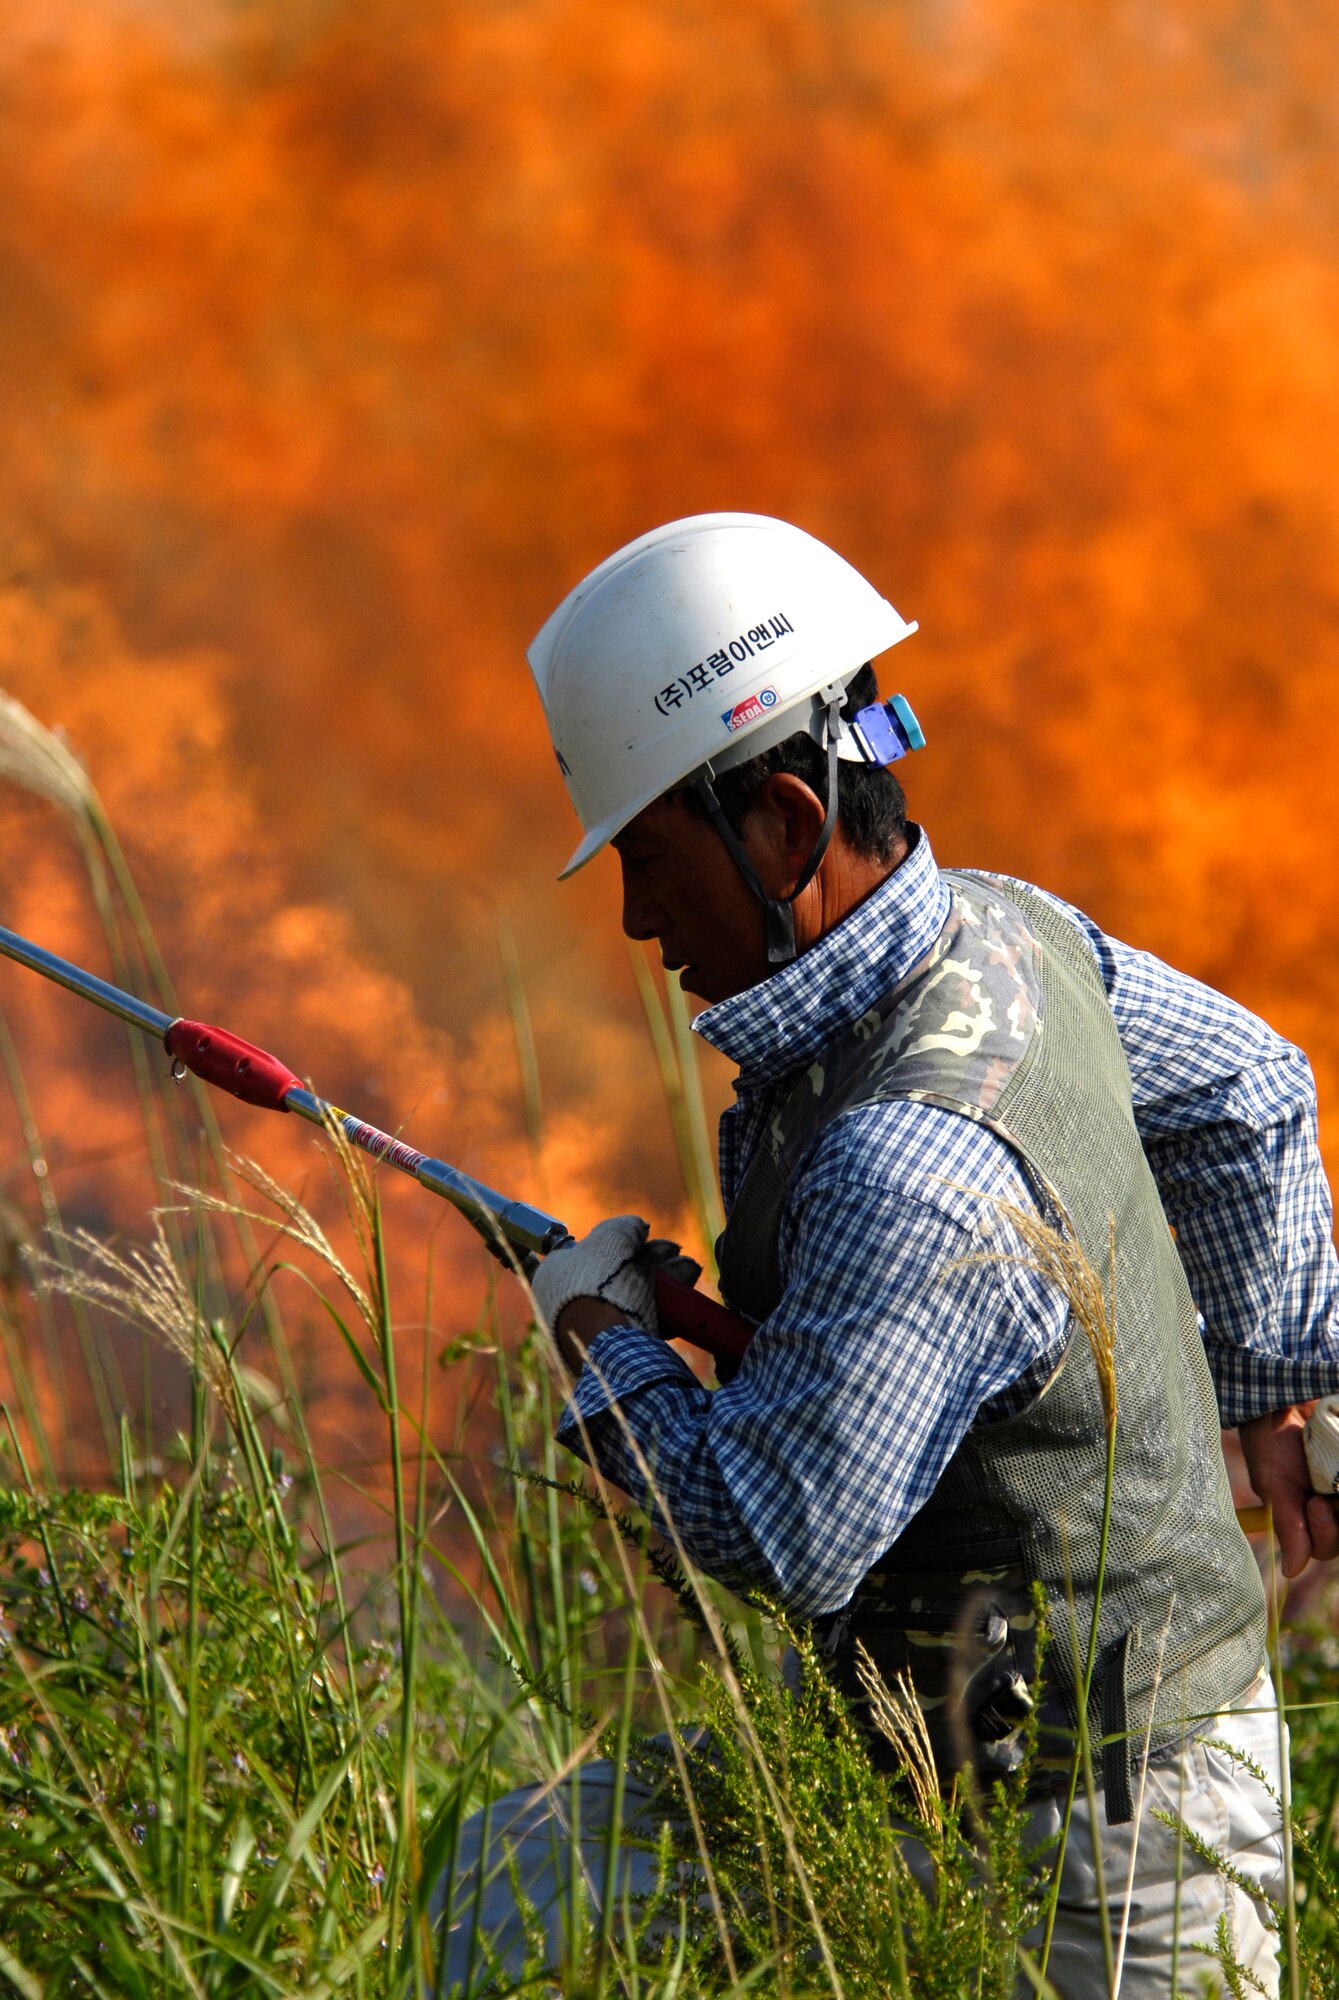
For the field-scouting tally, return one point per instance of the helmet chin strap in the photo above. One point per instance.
(778, 915)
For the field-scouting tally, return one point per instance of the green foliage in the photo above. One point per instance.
(205, 1737)
(218, 1748)
(194, 1752)
(822, 1862)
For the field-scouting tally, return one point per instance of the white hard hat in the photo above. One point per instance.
(695, 647)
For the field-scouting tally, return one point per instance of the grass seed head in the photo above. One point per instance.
(897, 1715)
(146, 1288)
(36, 760)
(1056, 1252)
(295, 1221)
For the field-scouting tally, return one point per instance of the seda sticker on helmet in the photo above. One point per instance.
(752, 709)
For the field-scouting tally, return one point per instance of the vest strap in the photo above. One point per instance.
(1116, 1732)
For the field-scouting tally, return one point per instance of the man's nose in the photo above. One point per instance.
(642, 916)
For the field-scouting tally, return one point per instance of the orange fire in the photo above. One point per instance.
(339, 340)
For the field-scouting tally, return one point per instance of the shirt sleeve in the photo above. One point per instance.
(896, 1326)
(1226, 1109)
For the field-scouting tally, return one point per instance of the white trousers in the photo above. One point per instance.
(1165, 1905)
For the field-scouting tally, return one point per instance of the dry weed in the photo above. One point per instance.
(36, 760)
(144, 1288)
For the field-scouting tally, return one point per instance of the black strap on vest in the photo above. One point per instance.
(778, 916)
(1116, 1732)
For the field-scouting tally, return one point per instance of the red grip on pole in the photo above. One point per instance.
(685, 1314)
(234, 1065)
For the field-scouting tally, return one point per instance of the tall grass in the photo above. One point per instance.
(231, 1762)
(235, 1759)
(227, 1764)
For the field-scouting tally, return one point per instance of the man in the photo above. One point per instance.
(918, 1432)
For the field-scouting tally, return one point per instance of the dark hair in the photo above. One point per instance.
(871, 805)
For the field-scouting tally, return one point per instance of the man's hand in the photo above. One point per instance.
(1305, 1522)
(606, 1279)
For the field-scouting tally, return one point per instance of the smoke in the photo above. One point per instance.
(339, 340)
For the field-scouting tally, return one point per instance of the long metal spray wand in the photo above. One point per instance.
(257, 1077)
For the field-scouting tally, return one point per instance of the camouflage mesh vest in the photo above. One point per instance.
(1006, 1020)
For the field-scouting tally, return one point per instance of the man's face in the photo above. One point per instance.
(681, 889)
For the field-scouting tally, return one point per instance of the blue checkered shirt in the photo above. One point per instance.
(897, 1332)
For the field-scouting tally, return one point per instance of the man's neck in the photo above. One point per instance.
(842, 884)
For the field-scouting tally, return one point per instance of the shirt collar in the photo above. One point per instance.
(784, 1021)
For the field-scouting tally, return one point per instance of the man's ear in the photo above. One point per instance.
(784, 823)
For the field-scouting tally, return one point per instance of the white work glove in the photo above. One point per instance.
(619, 1262)
(1320, 1434)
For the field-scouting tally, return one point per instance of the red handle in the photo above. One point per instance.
(234, 1065)
(684, 1314)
